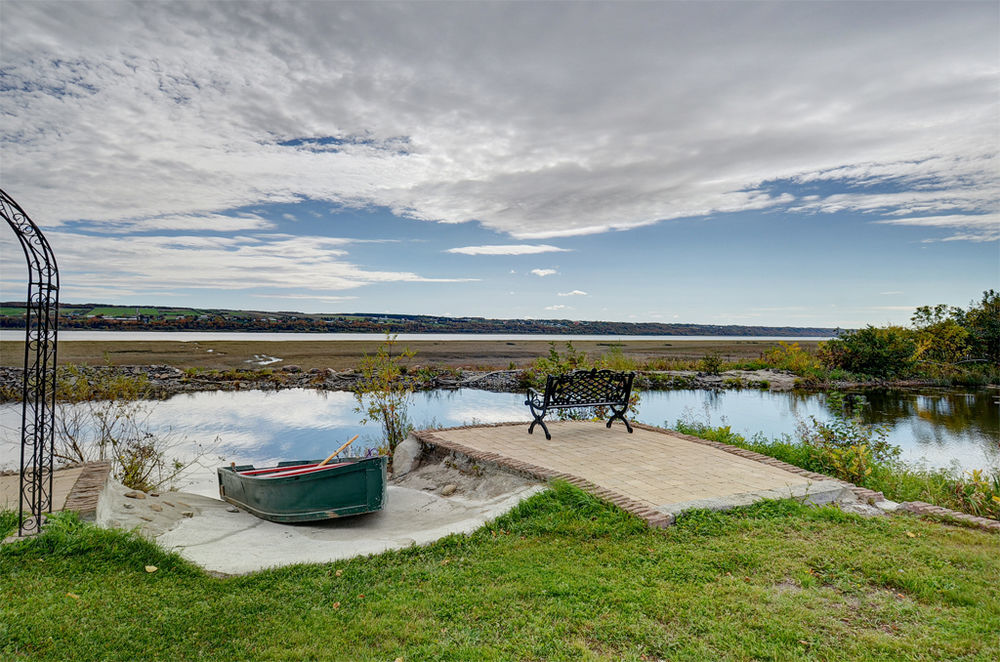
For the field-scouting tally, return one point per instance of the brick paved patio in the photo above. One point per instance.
(653, 473)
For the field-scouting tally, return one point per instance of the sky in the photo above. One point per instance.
(759, 163)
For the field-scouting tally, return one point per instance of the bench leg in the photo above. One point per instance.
(538, 421)
(619, 415)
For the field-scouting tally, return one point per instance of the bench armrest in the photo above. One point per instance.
(534, 396)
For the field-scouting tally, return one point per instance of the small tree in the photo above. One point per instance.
(383, 395)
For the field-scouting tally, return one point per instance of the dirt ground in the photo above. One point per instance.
(345, 354)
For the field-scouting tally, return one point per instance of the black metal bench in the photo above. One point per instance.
(582, 388)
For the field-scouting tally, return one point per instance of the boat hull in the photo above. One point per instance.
(287, 495)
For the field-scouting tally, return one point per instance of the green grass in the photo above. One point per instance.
(122, 311)
(563, 577)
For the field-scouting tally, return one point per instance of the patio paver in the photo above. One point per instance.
(652, 472)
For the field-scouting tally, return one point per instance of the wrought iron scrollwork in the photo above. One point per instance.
(38, 386)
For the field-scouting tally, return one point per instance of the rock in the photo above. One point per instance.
(291, 368)
(135, 494)
(232, 509)
(151, 568)
(129, 506)
(154, 494)
(406, 457)
(449, 489)
(887, 506)
(862, 509)
(145, 518)
(187, 513)
(155, 507)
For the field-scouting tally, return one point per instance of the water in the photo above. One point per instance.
(208, 336)
(941, 428)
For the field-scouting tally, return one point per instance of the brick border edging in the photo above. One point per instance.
(86, 491)
(937, 512)
(657, 519)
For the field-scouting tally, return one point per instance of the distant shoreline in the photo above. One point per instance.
(103, 317)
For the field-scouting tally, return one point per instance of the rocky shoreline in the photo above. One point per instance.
(166, 381)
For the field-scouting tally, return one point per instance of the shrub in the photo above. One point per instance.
(791, 357)
(877, 351)
(711, 363)
(103, 415)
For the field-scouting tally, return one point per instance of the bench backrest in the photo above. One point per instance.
(588, 386)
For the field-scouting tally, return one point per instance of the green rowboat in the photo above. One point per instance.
(306, 491)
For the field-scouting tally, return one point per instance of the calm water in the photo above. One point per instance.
(205, 336)
(941, 428)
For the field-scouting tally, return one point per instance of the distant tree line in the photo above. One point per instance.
(364, 323)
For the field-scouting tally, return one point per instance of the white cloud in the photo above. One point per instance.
(182, 222)
(542, 273)
(153, 264)
(558, 306)
(574, 293)
(306, 296)
(516, 249)
(891, 293)
(535, 119)
(979, 227)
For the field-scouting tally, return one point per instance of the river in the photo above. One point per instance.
(940, 428)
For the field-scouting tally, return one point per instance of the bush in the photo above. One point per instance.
(103, 415)
(877, 351)
(791, 357)
(711, 363)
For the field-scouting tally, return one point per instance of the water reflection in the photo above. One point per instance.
(939, 427)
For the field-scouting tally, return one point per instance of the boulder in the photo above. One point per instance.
(406, 457)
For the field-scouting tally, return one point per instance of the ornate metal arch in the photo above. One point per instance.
(38, 385)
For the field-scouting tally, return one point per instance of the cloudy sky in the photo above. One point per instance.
(801, 163)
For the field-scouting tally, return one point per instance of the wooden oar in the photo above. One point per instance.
(334, 454)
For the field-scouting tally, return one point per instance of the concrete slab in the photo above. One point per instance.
(237, 543)
(436, 501)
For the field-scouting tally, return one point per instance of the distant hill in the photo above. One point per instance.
(165, 318)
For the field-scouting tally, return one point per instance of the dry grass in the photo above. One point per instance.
(343, 354)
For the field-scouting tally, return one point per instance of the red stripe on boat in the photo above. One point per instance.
(254, 472)
(309, 470)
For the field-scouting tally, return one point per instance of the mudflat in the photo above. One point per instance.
(345, 354)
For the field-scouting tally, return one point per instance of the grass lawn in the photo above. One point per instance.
(564, 577)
